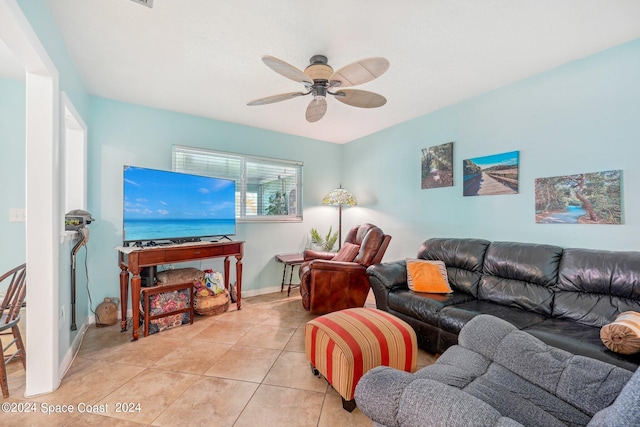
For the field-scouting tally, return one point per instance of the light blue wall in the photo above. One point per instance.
(41, 19)
(581, 117)
(12, 171)
(125, 134)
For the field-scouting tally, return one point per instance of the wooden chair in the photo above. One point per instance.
(9, 318)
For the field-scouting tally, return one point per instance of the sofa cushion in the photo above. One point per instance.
(523, 401)
(422, 306)
(370, 238)
(579, 339)
(453, 318)
(526, 262)
(594, 286)
(517, 294)
(347, 253)
(520, 275)
(463, 257)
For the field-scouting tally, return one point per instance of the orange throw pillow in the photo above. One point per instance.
(347, 252)
(428, 276)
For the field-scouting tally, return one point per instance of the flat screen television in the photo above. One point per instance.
(163, 206)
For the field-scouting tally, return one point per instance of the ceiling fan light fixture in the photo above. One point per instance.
(320, 72)
(318, 69)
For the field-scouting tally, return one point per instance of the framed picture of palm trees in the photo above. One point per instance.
(583, 198)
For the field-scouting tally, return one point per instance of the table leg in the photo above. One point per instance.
(290, 278)
(239, 281)
(124, 290)
(135, 304)
(284, 273)
(226, 272)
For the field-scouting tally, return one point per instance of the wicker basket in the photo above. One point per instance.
(213, 304)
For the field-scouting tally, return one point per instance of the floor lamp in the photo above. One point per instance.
(339, 197)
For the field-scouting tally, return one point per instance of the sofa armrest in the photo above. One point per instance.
(625, 409)
(378, 394)
(310, 254)
(392, 398)
(385, 277)
(390, 274)
(328, 286)
(444, 405)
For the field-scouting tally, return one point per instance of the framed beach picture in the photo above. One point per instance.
(488, 175)
(437, 166)
(584, 198)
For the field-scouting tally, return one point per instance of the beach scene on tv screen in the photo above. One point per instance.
(160, 205)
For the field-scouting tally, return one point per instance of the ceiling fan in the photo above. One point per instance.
(319, 79)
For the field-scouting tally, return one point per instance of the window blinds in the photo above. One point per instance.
(267, 189)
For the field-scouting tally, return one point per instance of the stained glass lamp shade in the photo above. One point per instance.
(339, 197)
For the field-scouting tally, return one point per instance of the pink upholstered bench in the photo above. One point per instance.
(344, 345)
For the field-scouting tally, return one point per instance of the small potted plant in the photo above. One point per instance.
(326, 243)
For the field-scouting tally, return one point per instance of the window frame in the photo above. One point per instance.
(243, 176)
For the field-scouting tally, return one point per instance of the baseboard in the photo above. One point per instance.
(73, 350)
(261, 291)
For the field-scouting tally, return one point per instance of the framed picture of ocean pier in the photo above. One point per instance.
(584, 198)
(489, 175)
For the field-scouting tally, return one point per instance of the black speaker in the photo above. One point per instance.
(148, 276)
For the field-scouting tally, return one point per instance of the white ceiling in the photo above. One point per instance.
(203, 57)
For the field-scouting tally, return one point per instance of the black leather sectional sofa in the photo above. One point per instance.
(561, 296)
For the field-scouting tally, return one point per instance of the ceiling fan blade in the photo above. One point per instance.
(360, 98)
(275, 98)
(316, 109)
(360, 72)
(287, 70)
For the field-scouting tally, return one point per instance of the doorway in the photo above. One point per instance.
(41, 194)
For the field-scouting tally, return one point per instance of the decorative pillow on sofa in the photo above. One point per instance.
(427, 276)
(623, 335)
(347, 253)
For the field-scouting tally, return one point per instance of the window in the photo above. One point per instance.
(266, 189)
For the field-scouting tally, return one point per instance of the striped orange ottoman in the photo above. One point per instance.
(345, 344)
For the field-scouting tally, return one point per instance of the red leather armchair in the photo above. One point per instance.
(327, 285)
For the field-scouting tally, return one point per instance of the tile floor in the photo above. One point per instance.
(240, 368)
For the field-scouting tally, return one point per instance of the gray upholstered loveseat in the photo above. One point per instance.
(500, 376)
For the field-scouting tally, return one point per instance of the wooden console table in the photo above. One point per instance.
(132, 260)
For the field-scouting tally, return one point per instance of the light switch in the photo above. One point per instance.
(17, 215)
